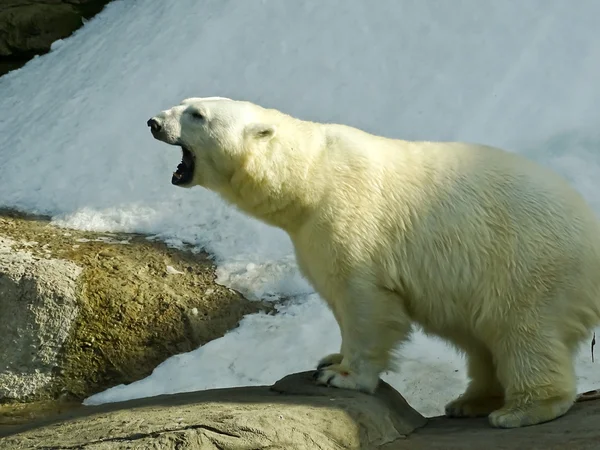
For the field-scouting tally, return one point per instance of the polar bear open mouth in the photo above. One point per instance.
(185, 169)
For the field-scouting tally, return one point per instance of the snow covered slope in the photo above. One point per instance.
(74, 144)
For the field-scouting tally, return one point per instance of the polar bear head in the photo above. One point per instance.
(214, 134)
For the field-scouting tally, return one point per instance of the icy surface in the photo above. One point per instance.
(74, 144)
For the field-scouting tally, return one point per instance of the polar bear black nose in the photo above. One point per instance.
(153, 124)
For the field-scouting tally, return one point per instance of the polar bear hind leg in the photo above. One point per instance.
(484, 393)
(538, 377)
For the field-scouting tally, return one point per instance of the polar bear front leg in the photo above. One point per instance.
(371, 326)
(334, 358)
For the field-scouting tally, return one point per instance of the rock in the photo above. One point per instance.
(81, 312)
(577, 430)
(38, 307)
(292, 414)
(29, 27)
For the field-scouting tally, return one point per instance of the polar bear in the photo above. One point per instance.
(479, 246)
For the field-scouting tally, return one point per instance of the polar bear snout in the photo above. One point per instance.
(158, 129)
(166, 128)
(154, 124)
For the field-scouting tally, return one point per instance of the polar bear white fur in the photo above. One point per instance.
(477, 245)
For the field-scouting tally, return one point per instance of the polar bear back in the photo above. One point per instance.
(467, 230)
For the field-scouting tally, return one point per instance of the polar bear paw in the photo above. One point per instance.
(340, 376)
(515, 416)
(465, 406)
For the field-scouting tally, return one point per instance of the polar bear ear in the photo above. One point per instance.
(260, 131)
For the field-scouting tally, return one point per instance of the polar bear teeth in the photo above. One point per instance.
(185, 169)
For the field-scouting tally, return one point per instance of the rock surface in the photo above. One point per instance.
(38, 307)
(29, 27)
(293, 414)
(577, 430)
(81, 312)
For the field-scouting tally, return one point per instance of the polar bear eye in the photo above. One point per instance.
(197, 115)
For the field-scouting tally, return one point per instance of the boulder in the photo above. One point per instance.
(38, 308)
(29, 27)
(293, 414)
(577, 430)
(81, 312)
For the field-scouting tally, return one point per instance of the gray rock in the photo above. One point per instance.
(292, 414)
(38, 306)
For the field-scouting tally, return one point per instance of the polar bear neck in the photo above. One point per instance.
(279, 182)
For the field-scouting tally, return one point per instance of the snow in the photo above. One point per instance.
(519, 75)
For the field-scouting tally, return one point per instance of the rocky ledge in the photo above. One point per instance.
(292, 414)
(81, 311)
